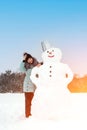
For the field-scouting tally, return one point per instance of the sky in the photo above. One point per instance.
(25, 23)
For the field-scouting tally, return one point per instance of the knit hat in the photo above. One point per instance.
(28, 56)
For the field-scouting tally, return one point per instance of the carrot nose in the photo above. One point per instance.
(50, 52)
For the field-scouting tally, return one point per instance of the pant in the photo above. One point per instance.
(28, 99)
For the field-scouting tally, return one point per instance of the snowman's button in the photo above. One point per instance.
(37, 76)
(50, 66)
(66, 75)
(50, 75)
(50, 71)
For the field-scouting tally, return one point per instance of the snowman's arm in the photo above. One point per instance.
(35, 75)
(68, 74)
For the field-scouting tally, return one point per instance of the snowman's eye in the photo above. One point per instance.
(47, 51)
(52, 50)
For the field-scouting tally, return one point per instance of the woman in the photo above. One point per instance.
(28, 87)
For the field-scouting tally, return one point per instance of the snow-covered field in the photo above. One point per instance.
(12, 115)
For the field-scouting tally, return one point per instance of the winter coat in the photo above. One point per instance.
(28, 86)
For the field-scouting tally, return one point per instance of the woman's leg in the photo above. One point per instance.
(28, 99)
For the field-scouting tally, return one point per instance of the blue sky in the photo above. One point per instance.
(25, 23)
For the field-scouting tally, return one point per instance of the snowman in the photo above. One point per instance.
(52, 97)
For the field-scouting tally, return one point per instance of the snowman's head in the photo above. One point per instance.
(52, 55)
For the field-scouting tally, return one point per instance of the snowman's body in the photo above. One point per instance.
(51, 98)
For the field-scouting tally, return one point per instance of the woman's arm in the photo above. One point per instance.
(22, 67)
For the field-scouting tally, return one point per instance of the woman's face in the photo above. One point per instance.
(30, 60)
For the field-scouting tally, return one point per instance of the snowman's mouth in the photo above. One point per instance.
(51, 56)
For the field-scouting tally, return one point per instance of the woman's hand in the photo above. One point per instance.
(38, 65)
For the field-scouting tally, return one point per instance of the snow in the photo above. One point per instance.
(51, 80)
(12, 115)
